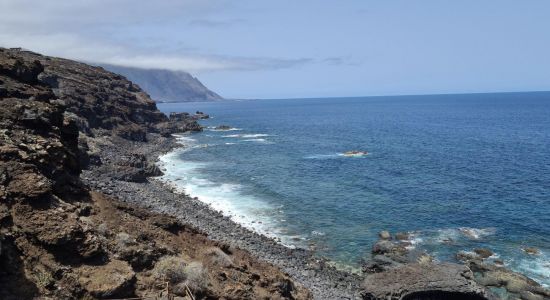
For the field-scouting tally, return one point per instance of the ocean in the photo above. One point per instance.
(458, 172)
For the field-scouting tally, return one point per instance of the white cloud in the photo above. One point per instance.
(87, 30)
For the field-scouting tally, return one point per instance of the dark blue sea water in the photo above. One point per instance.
(458, 171)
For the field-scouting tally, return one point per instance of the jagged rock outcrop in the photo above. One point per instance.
(98, 101)
(395, 272)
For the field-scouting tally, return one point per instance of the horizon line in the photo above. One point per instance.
(369, 96)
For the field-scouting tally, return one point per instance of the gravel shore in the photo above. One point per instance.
(315, 273)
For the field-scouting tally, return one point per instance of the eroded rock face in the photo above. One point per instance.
(424, 281)
(133, 167)
(39, 177)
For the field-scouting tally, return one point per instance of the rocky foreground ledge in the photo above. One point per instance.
(82, 217)
(395, 272)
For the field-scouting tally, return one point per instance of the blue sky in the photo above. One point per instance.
(284, 49)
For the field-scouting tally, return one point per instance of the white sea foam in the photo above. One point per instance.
(334, 156)
(323, 156)
(226, 197)
(246, 136)
(356, 155)
(536, 266)
(447, 235)
(254, 135)
(212, 128)
(476, 233)
(255, 140)
(414, 239)
(184, 139)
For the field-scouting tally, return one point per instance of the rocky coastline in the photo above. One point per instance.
(323, 280)
(82, 215)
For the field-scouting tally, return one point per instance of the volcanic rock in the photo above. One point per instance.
(418, 281)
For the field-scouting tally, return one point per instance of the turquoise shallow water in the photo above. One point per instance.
(459, 171)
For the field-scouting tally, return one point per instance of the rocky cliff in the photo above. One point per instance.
(61, 239)
(166, 85)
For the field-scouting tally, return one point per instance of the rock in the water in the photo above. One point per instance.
(201, 115)
(483, 252)
(531, 250)
(384, 235)
(424, 281)
(223, 127)
(402, 236)
(512, 281)
(115, 279)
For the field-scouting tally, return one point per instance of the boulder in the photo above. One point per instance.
(384, 235)
(28, 183)
(483, 252)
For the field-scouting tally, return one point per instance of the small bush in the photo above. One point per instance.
(43, 278)
(217, 257)
(124, 240)
(196, 279)
(102, 229)
(170, 268)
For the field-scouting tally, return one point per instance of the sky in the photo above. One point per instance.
(297, 49)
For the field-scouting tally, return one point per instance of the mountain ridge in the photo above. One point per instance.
(166, 85)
